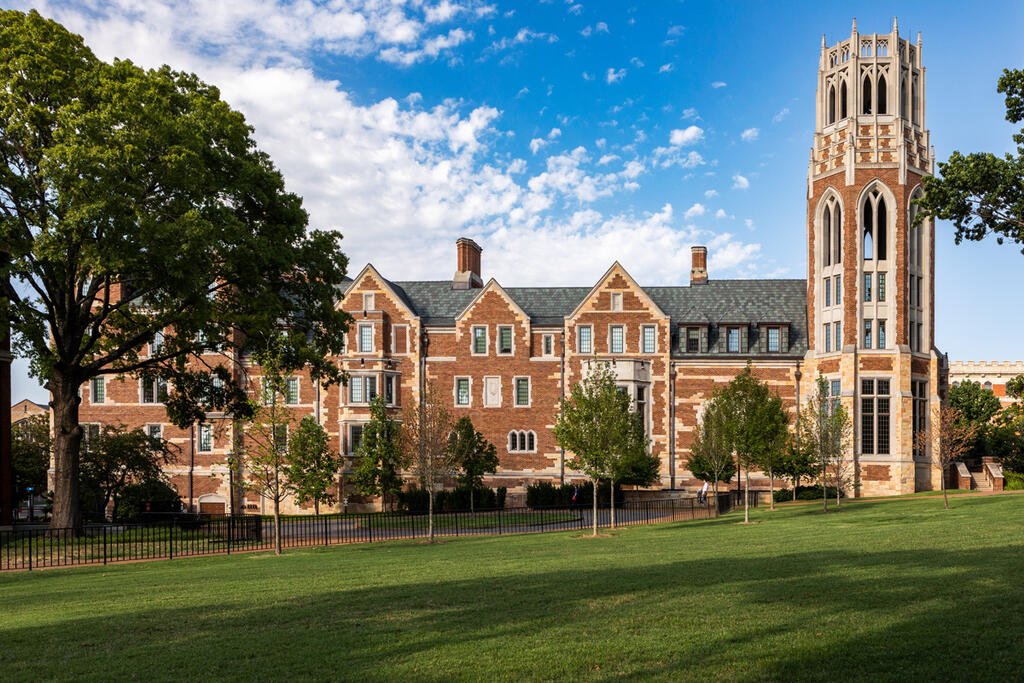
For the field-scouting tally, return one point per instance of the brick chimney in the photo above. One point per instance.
(698, 265)
(467, 273)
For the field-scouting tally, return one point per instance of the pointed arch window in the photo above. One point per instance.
(916, 97)
(831, 104)
(880, 100)
(866, 104)
(904, 98)
(826, 224)
(875, 227)
(831, 233)
(842, 100)
(916, 232)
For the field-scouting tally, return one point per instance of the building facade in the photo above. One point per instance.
(989, 374)
(506, 356)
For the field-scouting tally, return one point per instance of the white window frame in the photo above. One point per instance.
(579, 336)
(545, 340)
(527, 434)
(102, 381)
(359, 337)
(515, 391)
(157, 344)
(86, 427)
(612, 327)
(366, 398)
(469, 391)
(287, 391)
(615, 303)
(402, 329)
(512, 340)
(472, 340)
(349, 448)
(484, 399)
(768, 339)
(739, 339)
(160, 428)
(382, 389)
(207, 428)
(156, 392)
(643, 338)
(368, 301)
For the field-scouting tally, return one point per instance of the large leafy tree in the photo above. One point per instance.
(311, 465)
(476, 456)
(983, 193)
(977, 406)
(30, 455)
(381, 459)
(133, 204)
(116, 458)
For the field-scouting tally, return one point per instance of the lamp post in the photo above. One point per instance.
(31, 504)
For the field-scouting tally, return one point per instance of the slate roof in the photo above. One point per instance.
(718, 301)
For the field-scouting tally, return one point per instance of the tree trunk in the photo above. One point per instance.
(771, 489)
(942, 481)
(430, 513)
(746, 497)
(824, 490)
(472, 509)
(316, 507)
(277, 526)
(594, 480)
(715, 489)
(67, 445)
(611, 497)
(837, 486)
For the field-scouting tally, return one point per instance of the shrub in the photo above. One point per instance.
(545, 494)
(1013, 481)
(135, 500)
(416, 500)
(805, 493)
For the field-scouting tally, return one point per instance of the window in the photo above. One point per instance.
(876, 226)
(920, 338)
(154, 391)
(881, 98)
(648, 338)
(987, 386)
(90, 432)
(155, 431)
(832, 232)
(867, 334)
(548, 344)
(585, 342)
(913, 338)
(881, 334)
(98, 389)
(266, 392)
(774, 340)
(920, 303)
(522, 442)
(522, 391)
(828, 291)
(916, 101)
(492, 392)
(874, 416)
(835, 393)
(291, 391)
(732, 338)
(365, 338)
(692, 339)
(616, 341)
(389, 390)
(641, 406)
(838, 290)
(881, 286)
(616, 301)
(462, 391)
(867, 286)
(828, 338)
(362, 388)
(866, 108)
(842, 100)
(355, 437)
(205, 438)
(504, 340)
(919, 390)
(839, 337)
(157, 345)
(368, 301)
(831, 104)
(400, 339)
(479, 340)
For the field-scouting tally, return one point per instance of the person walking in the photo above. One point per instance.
(702, 495)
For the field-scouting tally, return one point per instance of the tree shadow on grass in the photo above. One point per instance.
(883, 614)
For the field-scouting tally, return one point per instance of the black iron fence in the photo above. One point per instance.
(196, 535)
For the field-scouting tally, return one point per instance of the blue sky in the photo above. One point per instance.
(565, 135)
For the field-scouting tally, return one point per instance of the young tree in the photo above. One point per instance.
(982, 193)
(797, 463)
(956, 435)
(116, 458)
(133, 204)
(630, 458)
(263, 456)
(30, 455)
(595, 425)
(476, 456)
(311, 465)
(711, 455)
(381, 459)
(826, 432)
(757, 427)
(426, 429)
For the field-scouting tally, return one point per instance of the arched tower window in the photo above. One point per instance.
(831, 104)
(831, 233)
(837, 234)
(880, 100)
(904, 98)
(866, 105)
(826, 227)
(874, 231)
(916, 97)
(916, 242)
(842, 99)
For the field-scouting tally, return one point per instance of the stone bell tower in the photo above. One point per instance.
(870, 271)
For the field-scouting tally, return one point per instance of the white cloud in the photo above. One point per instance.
(614, 75)
(689, 113)
(718, 84)
(783, 113)
(537, 144)
(694, 211)
(523, 92)
(749, 223)
(599, 27)
(682, 137)
(674, 156)
(587, 76)
(666, 68)
(750, 134)
(675, 31)
(607, 159)
(637, 62)
(739, 182)
(431, 48)
(522, 36)
(576, 9)
(555, 133)
(720, 214)
(710, 193)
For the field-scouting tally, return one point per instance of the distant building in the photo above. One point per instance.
(24, 409)
(990, 374)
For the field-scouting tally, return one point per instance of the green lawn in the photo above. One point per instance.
(481, 520)
(880, 590)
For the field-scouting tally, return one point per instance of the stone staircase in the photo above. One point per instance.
(980, 482)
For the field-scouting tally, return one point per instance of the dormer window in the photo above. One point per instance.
(774, 340)
(505, 340)
(692, 339)
(732, 339)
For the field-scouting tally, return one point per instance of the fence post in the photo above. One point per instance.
(30, 550)
(369, 524)
(170, 545)
(104, 544)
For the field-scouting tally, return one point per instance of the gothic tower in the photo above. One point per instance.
(870, 305)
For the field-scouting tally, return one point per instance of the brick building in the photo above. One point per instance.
(989, 374)
(863, 318)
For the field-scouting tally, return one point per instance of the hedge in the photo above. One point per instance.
(417, 500)
(545, 494)
(805, 493)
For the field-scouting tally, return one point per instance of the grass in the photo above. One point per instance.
(480, 520)
(877, 591)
